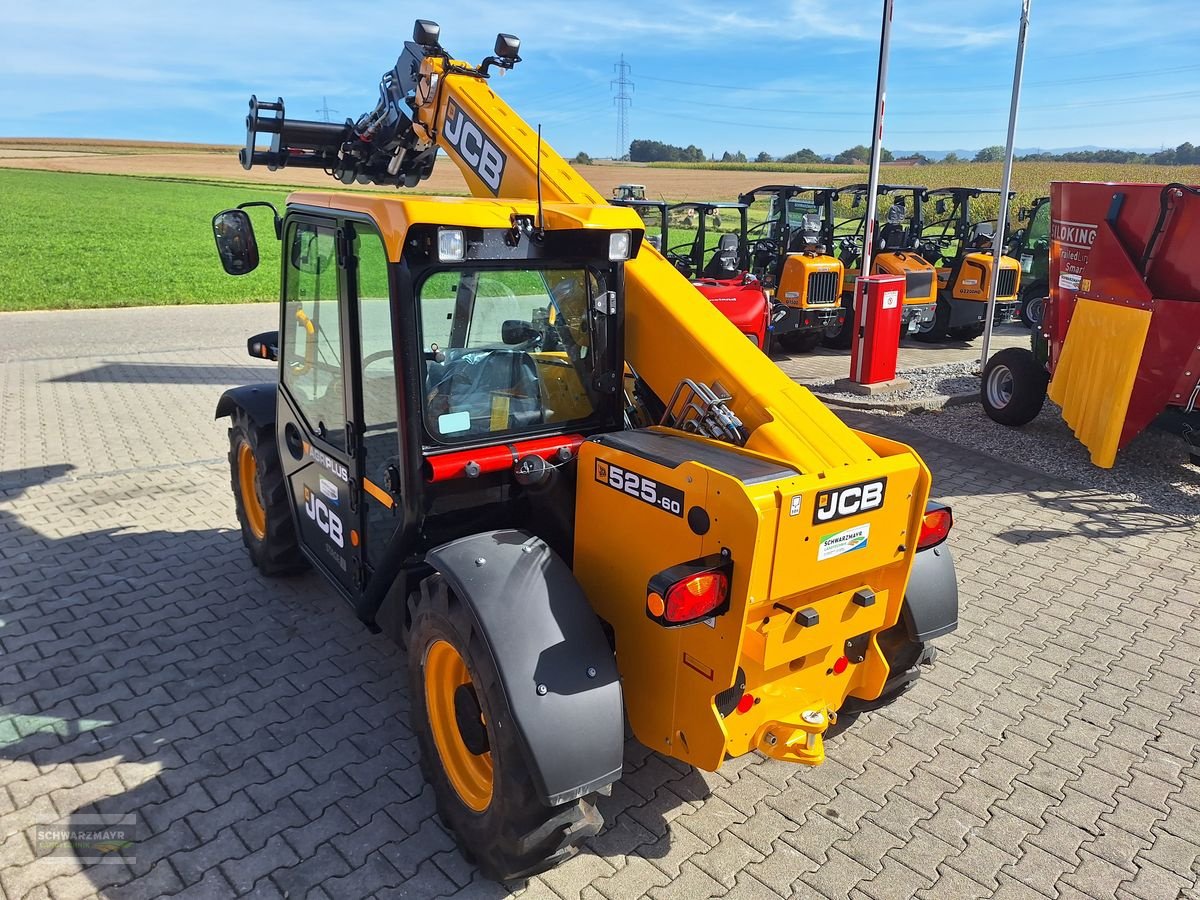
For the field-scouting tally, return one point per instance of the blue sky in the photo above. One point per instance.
(773, 76)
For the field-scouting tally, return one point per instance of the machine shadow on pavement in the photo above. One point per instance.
(254, 729)
(160, 373)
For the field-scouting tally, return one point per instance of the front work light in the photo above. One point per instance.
(618, 245)
(450, 244)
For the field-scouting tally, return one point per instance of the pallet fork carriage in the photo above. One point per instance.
(513, 436)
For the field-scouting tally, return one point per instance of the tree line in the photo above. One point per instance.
(657, 151)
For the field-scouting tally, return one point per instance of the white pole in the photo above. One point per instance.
(877, 138)
(860, 311)
(1006, 181)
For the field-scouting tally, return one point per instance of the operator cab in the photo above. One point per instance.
(434, 351)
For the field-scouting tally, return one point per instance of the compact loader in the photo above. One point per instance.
(515, 438)
(1031, 245)
(719, 272)
(956, 239)
(792, 256)
(897, 241)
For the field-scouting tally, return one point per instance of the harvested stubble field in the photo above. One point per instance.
(90, 223)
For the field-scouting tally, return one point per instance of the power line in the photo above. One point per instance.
(1111, 76)
(623, 100)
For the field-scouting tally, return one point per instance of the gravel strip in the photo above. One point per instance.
(931, 388)
(1153, 470)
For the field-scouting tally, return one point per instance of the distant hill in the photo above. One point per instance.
(1021, 151)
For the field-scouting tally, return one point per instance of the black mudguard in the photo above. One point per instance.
(931, 601)
(556, 668)
(257, 399)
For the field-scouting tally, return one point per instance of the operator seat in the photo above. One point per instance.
(724, 262)
(473, 380)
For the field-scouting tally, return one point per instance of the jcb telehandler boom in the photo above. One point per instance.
(511, 434)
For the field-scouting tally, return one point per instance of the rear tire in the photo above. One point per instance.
(1013, 388)
(260, 495)
(493, 808)
(902, 654)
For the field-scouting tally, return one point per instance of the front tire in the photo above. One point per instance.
(966, 332)
(1033, 304)
(839, 337)
(801, 341)
(470, 751)
(1013, 388)
(939, 328)
(260, 496)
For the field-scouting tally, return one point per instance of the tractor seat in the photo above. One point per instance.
(892, 236)
(724, 262)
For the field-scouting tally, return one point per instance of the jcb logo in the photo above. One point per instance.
(327, 521)
(838, 503)
(477, 151)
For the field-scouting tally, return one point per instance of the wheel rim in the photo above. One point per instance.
(256, 514)
(1000, 387)
(1034, 310)
(470, 774)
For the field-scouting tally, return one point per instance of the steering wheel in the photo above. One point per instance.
(376, 356)
(766, 245)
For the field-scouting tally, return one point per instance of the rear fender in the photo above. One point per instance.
(931, 601)
(257, 399)
(556, 667)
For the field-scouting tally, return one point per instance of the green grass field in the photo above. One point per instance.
(70, 241)
(74, 240)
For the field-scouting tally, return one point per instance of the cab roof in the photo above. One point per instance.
(396, 214)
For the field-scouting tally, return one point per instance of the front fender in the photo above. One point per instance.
(257, 399)
(556, 667)
(931, 601)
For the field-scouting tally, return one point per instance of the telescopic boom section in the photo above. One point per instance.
(432, 101)
(670, 331)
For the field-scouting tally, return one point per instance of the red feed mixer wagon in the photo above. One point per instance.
(1120, 340)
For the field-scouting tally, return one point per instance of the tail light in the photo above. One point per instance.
(935, 526)
(690, 591)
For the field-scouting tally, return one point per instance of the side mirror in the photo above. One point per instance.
(264, 346)
(236, 244)
(857, 201)
(940, 206)
(515, 331)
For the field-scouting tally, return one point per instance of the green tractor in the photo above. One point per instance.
(1031, 245)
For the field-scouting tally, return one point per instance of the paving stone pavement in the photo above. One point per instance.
(260, 735)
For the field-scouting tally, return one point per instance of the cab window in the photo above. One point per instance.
(506, 350)
(311, 334)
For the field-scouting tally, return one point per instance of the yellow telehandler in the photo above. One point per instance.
(514, 437)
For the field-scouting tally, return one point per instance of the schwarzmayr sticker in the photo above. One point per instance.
(843, 542)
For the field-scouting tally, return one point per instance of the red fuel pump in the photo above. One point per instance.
(876, 328)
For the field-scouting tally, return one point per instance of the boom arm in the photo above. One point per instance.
(430, 101)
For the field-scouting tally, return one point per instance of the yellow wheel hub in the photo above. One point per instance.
(469, 773)
(256, 514)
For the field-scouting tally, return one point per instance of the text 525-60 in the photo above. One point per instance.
(647, 490)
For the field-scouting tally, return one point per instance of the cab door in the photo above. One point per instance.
(375, 463)
(312, 417)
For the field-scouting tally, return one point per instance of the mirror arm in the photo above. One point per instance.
(274, 211)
